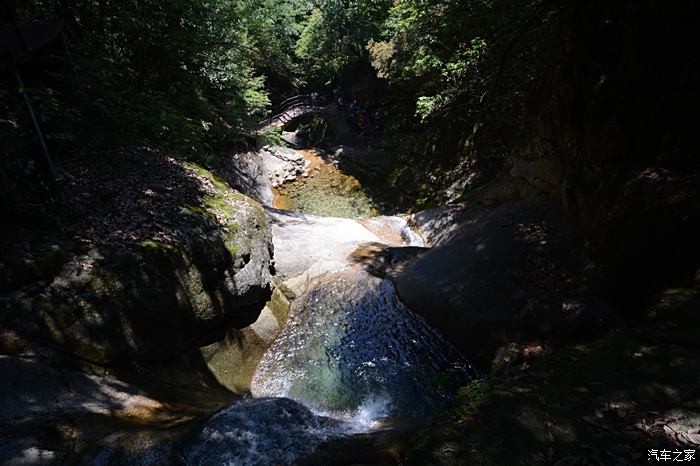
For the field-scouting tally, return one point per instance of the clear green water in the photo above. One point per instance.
(327, 192)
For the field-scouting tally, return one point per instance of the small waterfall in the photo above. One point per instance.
(350, 355)
(352, 351)
(410, 237)
(393, 230)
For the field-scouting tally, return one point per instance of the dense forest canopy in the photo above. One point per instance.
(200, 61)
(471, 82)
(174, 70)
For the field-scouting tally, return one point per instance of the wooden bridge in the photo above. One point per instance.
(295, 107)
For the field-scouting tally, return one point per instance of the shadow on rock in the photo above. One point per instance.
(515, 273)
(151, 255)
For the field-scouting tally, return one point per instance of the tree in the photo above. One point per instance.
(336, 33)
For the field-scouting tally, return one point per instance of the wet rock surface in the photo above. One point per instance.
(259, 431)
(351, 345)
(311, 244)
(328, 322)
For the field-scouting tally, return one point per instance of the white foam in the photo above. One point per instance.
(367, 417)
(411, 237)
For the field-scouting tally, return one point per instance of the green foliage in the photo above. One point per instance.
(471, 396)
(470, 73)
(439, 43)
(472, 77)
(179, 73)
(458, 75)
(191, 75)
(335, 35)
(272, 137)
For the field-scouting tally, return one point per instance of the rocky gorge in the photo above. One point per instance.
(338, 327)
(184, 306)
(147, 307)
(344, 233)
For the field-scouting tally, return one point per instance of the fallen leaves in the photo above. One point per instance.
(134, 195)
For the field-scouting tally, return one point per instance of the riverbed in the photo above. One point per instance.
(352, 360)
(325, 191)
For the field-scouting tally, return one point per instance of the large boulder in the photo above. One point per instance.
(155, 269)
(352, 348)
(256, 173)
(497, 275)
(248, 174)
(258, 431)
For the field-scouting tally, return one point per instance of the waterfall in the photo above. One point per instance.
(352, 348)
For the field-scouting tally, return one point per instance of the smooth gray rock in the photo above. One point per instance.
(251, 175)
(311, 244)
(496, 275)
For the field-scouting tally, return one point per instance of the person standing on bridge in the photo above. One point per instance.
(338, 95)
(314, 97)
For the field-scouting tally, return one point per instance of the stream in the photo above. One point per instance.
(352, 358)
(326, 192)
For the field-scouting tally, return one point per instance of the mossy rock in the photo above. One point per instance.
(153, 299)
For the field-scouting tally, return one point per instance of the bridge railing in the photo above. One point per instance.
(295, 106)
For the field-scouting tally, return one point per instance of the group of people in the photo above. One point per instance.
(356, 113)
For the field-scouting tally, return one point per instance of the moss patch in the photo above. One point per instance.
(160, 246)
(470, 397)
(279, 305)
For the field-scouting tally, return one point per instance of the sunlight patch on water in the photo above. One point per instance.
(327, 192)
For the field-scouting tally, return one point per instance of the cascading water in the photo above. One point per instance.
(350, 354)
(351, 350)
